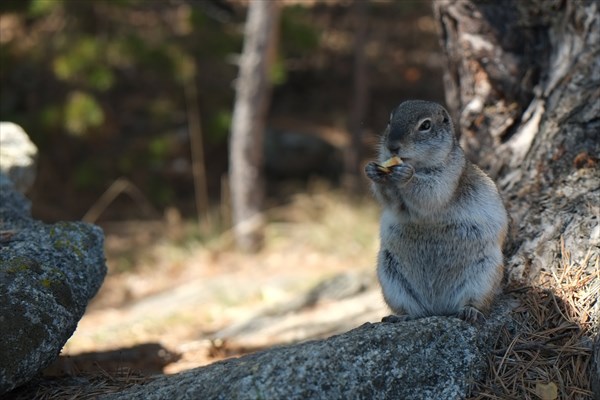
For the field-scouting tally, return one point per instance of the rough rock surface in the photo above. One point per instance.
(595, 369)
(48, 273)
(430, 358)
(18, 156)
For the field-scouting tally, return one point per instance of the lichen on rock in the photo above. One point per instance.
(48, 274)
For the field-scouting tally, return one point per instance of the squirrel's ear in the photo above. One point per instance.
(445, 116)
(386, 132)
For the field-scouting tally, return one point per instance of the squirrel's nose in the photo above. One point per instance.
(394, 148)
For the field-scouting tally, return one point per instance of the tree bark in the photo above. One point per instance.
(496, 53)
(197, 151)
(534, 124)
(248, 125)
(354, 153)
(523, 82)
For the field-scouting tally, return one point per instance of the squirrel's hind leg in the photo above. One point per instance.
(471, 314)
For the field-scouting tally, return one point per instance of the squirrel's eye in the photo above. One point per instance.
(425, 125)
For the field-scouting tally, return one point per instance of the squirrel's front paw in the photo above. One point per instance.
(375, 173)
(402, 173)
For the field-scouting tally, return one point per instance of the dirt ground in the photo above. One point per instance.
(174, 301)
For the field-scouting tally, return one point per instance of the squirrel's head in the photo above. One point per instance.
(419, 132)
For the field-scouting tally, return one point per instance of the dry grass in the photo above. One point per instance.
(546, 354)
(82, 387)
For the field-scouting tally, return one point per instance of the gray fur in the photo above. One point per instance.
(443, 222)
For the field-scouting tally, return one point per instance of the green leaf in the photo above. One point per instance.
(278, 73)
(38, 8)
(82, 112)
(101, 78)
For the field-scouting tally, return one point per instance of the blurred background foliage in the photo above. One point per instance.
(100, 86)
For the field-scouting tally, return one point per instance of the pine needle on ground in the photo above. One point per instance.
(546, 353)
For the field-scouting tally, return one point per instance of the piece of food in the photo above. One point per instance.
(390, 162)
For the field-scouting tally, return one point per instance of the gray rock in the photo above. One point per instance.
(296, 155)
(48, 273)
(431, 358)
(595, 368)
(18, 156)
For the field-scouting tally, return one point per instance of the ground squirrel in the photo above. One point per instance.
(443, 222)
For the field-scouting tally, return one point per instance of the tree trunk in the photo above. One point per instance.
(248, 125)
(354, 153)
(523, 82)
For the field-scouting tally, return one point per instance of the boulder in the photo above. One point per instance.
(18, 156)
(429, 358)
(299, 155)
(48, 274)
